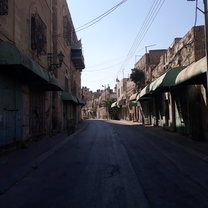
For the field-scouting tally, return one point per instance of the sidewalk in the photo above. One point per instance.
(15, 165)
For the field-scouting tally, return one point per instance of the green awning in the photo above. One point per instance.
(163, 82)
(54, 84)
(192, 71)
(166, 80)
(66, 96)
(80, 101)
(133, 97)
(145, 92)
(113, 105)
(12, 59)
(121, 102)
(11, 55)
(134, 103)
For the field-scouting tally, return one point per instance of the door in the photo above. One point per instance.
(10, 111)
(37, 107)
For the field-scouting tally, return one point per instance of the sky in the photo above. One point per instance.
(113, 45)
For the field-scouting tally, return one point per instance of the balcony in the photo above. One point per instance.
(77, 58)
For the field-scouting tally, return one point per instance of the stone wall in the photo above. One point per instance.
(182, 52)
(148, 62)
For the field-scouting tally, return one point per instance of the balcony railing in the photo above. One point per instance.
(77, 58)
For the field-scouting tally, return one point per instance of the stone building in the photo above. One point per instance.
(91, 103)
(102, 110)
(40, 69)
(176, 98)
(182, 52)
(148, 62)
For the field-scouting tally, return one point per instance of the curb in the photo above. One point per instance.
(27, 169)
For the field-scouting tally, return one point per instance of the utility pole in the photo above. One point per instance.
(206, 35)
(205, 12)
(148, 47)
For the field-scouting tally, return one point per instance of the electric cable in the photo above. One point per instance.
(154, 10)
(97, 19)
(105, 68)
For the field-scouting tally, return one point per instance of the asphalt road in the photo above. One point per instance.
(113, 165)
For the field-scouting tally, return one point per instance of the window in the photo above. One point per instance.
(38, 35)
(66, 30)
(3, 7)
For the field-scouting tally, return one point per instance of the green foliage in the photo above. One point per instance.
(113, 112)
(107, 103)
(138, 77)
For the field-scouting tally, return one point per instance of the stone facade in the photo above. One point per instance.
(148, 62)
(29, 32)
(182, 52)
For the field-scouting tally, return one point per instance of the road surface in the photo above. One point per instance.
(114, 165)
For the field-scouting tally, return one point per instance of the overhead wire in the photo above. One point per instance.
(106, 62)
(100, 17)
(154, 10)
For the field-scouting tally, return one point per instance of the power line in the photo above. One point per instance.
(154, 10)
(100, 17)
(106, 62)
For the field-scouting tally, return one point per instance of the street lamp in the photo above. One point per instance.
(148, 47)
(51, 56)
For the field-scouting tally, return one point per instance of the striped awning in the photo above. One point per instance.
(192, 71)
(144, 93)
(164, 82)
(133, 97)
(113, 105)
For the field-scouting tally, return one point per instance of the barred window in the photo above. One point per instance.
(66, 30)
(38, 35)
(3, 7)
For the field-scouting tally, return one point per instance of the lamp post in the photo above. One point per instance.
(149, 46)
(206, 35)
(205, 12)
(51, 56)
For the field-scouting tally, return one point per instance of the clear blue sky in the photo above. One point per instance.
(107, 43)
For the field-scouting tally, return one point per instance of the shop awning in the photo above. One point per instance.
(113, 105)
(166, 80)
(80, 101)
(26, 69)
(121, 102)
(145, 92)
(133, 97)
(133, 103)
(66, 96)
(163, 82)
(192, 71)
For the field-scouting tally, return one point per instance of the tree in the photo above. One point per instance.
(138, 77)
(107, 104)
